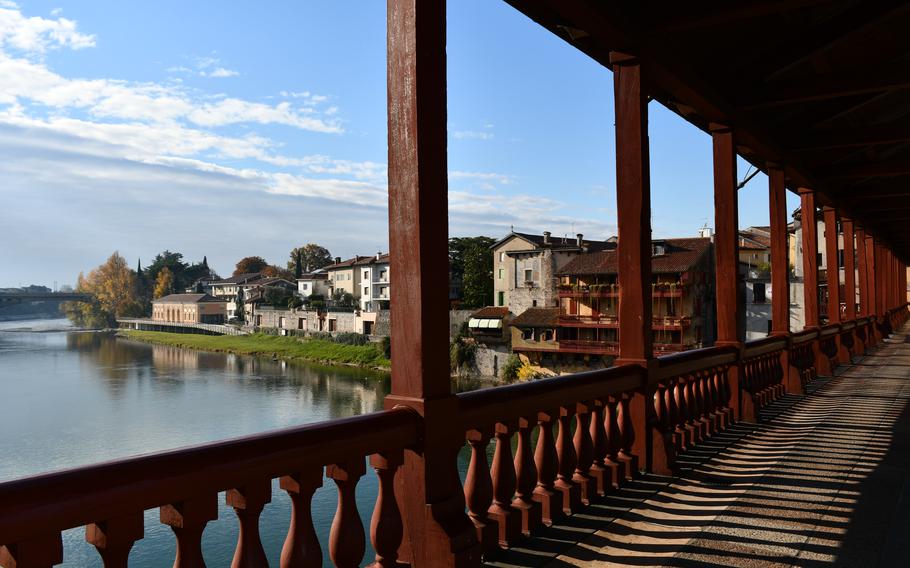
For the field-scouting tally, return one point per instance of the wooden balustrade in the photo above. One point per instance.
(763, 373)
(802, 356)
(109, 498)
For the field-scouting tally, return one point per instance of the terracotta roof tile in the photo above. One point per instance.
(491, 312)
(537, 317)
(187, 299)
(681, 255)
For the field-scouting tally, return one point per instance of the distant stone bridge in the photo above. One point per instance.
(10, 298)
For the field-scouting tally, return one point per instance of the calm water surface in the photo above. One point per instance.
(72, 398)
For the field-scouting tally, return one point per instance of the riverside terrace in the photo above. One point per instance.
(811, 92)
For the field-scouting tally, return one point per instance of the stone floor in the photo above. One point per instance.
(822, 481)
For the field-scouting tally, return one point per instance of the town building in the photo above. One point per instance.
(585, 323)
(228, 288)
(343, 276)
(754, 247)
(313, 283)
(525, 267)
(374, 275)
(189, 308)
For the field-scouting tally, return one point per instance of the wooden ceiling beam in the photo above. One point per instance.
(843, 83)
(833, 31)
(858, 137)
(730, 13)
(891, 168)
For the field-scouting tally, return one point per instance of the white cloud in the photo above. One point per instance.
(35, 35)
(483, 176)
(472, 135)
(220, 72)
(55, 11)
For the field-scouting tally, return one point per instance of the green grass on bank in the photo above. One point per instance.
(316, 350)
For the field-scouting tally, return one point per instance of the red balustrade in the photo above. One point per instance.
(109, 498)
(763, 374)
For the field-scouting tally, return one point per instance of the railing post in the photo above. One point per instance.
(633, 200)
(780, 271)
(833, 276)
(878, 275)
(431, 499)
(726, 223)
(862, 283)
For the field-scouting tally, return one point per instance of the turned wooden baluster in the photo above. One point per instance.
(711, 401)
(248, 502)
(568, 459)
(683, 431)
(627, 436)
(188, 519)
(504, 481)
(478, 490)
(692, 408)
(114, 538)
(584, 450)
(43, 551)
(526, 479)
(547, 468)
(614, 443)
(301, 547)
(346, 541)
(598, 470)
(386, 527)
(700, 407)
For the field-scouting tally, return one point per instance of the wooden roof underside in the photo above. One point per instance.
(822, 87)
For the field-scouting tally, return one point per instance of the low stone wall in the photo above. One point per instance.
(489, 360)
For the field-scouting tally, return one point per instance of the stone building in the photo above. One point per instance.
(525, 267)
(189, 308)
(228, 288)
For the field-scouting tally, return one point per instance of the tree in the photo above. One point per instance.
(174, 262)
(277, 296)
(273, 271)
(114, 290)
(298, 265)
(164, 283)
(311, 257)
(240, 311)
(471, 261)
(250, 264)
(344, 299)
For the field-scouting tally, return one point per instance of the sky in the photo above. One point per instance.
(228, 129)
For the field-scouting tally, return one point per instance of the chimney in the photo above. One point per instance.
(578, 240)
(546, 237)
(378, 254)
(337, 260)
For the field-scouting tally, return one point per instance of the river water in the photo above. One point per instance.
(71, 398)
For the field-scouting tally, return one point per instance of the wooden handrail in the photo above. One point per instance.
(763, 346)
(489, 406)
(75, 497)
(803, 336)
(829, 330)
(695, 360)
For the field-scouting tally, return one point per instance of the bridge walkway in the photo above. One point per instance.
(821, 481)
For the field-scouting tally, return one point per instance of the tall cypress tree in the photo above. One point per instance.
(298, 266)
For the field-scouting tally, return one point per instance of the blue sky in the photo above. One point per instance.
(229, 129)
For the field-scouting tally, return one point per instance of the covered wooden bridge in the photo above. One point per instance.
(813, 92)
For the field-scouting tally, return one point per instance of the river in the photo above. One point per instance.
(71, 398)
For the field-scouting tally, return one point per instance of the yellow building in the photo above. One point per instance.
(189, 308)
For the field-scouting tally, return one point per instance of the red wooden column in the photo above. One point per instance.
(872, 286)
(633, 205)
(849, 268)
(862, 265)
(833, 270)
(810, 274)
(810, 258)
(437, 531)
(726, 223)
(850, 280)
(780, 271)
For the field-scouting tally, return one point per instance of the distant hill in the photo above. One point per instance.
(46, 309)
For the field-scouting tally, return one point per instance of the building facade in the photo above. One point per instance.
(375, 282)
(525, 267)
(228, 288)
(314, 283)
(189, 308)
(585, 323)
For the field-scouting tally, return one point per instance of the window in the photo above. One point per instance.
(502, 272)
(758, 293)
(840, 258)
(502, 299)
(527, 334)
(366, 290)
(819, 259)
(533, 303)
(529, 275)
(502, 257)
(366, 274)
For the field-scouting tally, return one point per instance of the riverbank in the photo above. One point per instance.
(286, 348)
